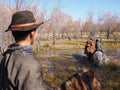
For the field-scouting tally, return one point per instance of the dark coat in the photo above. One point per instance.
(20, 70)
(98, 46)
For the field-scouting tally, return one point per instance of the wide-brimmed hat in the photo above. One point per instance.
(23, 21)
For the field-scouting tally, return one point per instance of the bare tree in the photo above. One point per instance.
(56, 23)
(106, 19)
(89, 27)
(4, 22)
(115, 26)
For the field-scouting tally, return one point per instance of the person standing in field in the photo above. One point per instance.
(19, 68)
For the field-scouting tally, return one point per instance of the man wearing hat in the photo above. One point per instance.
(19, 68)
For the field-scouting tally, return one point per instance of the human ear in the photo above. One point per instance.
(32, 34)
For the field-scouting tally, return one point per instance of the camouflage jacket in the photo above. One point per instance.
(20, 70)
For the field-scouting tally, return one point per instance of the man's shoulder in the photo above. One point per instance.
(28, 62)
(29, 58)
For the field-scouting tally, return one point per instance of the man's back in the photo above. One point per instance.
(98, 45)
(20, 70)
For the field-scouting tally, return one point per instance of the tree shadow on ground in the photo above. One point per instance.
(83, 62)
(80, 58)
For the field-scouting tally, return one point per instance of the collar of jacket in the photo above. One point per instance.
(24, 49)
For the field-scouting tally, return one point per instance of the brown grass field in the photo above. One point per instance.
(58, 62)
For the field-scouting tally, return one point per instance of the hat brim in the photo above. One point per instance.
(26, 28)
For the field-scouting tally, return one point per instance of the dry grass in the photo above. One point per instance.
(110, 44)
(110, 79)
(63, 63)
(73, 44)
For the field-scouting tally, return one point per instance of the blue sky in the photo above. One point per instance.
(79, 8)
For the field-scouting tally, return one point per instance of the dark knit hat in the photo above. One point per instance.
(23, 21)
